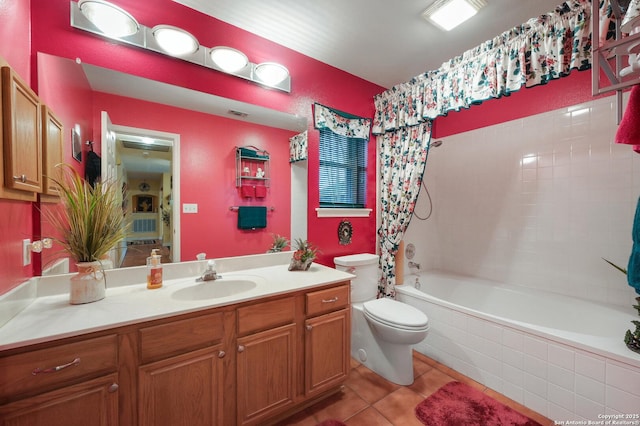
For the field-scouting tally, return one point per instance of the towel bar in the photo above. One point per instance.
(235, 208)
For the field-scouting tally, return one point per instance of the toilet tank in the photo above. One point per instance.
(365, 267)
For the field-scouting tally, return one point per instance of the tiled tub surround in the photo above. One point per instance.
(576, 371)
(535, 202)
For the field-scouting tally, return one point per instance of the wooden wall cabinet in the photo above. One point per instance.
(52, 139)
(22, 138)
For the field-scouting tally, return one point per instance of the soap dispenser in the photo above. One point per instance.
(154, 270)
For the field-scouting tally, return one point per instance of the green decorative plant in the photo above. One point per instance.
(303, 255)
(279, 244)
(631, 339)
(89, 219)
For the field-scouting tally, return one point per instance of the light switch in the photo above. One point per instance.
(26, 252)
(189, 208)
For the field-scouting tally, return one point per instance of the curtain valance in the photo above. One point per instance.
(341, 123)
(542, 49)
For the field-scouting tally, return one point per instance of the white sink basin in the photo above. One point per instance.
(222, 287)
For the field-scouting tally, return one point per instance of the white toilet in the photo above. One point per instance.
(382, 330)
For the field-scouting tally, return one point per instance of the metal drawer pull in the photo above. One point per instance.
(333, 299)
(21, 178)
(55, 369)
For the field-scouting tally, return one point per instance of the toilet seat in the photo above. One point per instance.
(396, 314)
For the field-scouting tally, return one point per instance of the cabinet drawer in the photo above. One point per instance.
(180, 336)
(53, 367)
(266, 315)
(328, 300)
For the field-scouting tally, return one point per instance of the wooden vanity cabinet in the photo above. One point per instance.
(266, 360)
(66, 384)
(327, 339)
(181, 374)
(251, 363)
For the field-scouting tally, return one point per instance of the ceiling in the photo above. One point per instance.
(383, 41)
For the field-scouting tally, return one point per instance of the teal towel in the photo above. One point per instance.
(633, 269)
(252, 217)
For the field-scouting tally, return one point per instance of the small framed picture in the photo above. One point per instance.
(76, 145)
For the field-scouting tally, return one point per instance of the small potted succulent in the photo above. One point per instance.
(279, 244)
(303, 256)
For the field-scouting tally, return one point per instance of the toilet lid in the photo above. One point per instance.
(396, 313)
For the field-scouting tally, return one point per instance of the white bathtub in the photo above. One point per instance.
(560, 356)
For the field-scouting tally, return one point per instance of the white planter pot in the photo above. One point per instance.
(88, 285)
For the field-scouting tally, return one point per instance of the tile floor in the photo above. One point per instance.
(370, 400)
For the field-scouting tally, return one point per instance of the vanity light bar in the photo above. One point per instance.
(145, 39)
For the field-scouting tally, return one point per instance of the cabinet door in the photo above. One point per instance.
(52, 137)
(22, 134)
(94, 402)
(183, 390)
(327, 347)
(266, 373)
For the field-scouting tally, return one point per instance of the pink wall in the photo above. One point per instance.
(567, 91)
(207, 162)
(15, 216)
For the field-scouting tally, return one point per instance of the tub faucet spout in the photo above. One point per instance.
(414, 265)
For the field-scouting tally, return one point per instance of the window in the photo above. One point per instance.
(343, 170)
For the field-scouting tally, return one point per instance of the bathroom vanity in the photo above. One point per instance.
(179, 355)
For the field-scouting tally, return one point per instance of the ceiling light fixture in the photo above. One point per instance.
(109, 18)
(448, 14)
(271, 73)
(90, 15)
(228, 58)
(175, 41)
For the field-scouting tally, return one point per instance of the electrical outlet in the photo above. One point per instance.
(26, 252)
(189, 208)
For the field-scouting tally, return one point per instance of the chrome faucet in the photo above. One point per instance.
(414, 265)
(210, 273)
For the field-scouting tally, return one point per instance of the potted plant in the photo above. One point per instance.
(631, 339)
(90, 222)
(279, 243)
(303, 255)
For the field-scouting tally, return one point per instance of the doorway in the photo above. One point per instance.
(147, 163)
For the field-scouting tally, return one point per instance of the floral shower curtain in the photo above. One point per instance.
(403, 157)
(541, 50)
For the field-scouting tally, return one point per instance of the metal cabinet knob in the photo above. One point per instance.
(114, 387)
(240, 348)
(309, 327)
(221, 354)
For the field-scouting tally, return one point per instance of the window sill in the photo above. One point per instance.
(324, 212)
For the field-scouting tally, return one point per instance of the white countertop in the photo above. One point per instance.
(51, 317)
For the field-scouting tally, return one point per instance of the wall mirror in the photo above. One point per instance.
(161, 181)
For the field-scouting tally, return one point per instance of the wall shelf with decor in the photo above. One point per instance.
(252, 166)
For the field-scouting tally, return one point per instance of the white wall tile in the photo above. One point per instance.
(561, 357)
(561, 377)
(623, 378)
(590, 365)
(622, 401)
(591, 389)
(588, 408)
